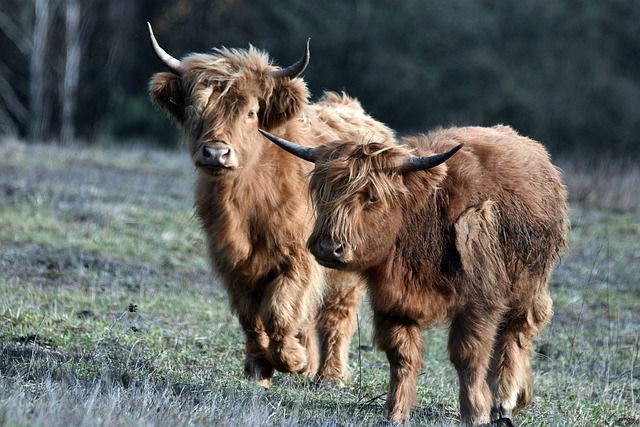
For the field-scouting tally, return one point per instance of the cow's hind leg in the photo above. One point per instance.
(510, 378)
(336, 324)
(309, 341)
(471, 341)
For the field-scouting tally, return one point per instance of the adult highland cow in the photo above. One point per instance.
(252, 204)
(472, 241)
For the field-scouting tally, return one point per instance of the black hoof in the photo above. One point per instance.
(503, 422)
(500, 422)
(501, 418)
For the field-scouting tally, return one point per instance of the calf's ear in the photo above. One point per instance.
(288, 98)
(167, 93)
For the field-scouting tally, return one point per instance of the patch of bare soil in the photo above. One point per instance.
(47, 266)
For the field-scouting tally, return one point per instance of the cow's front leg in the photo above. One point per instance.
(401, 339)
(285, 352)
(288, 305)
(256, 364)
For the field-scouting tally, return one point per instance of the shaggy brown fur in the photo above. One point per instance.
(472, 241)
(250, 198)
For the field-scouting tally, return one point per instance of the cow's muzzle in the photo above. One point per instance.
(216, 157)
(328, 253)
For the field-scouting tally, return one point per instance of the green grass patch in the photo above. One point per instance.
(109, 314)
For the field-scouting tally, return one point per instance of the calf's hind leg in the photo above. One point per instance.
(510, 378)
(471, 340)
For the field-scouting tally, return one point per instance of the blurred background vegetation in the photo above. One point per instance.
(565, 72)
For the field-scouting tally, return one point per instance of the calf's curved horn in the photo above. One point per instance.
(305, 153)
(293, 71)
(420, 163)
(172, 64)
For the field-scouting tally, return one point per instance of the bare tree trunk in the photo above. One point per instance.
(71, 70)
(37, 69)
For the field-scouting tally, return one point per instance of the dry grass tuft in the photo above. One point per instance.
(605, 183)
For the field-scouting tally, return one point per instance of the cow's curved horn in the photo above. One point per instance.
(172, 64)
(293, 71)
(420, 163)
(305, 153)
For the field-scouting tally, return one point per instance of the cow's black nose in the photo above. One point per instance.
(329, 249)
(328, 253)
(218, 155)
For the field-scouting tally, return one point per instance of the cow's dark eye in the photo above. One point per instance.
(252, 114)
(373, 200)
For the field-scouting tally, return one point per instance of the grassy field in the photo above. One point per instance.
(109, 315)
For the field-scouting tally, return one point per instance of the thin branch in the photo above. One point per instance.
(16, 34)
(10, 98)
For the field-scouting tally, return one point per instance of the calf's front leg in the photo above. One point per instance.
(401, 339)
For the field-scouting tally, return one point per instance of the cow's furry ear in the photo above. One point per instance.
(288, 98)
(166, 92)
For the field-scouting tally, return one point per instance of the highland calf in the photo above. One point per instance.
(251, 200)
(471, 241)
